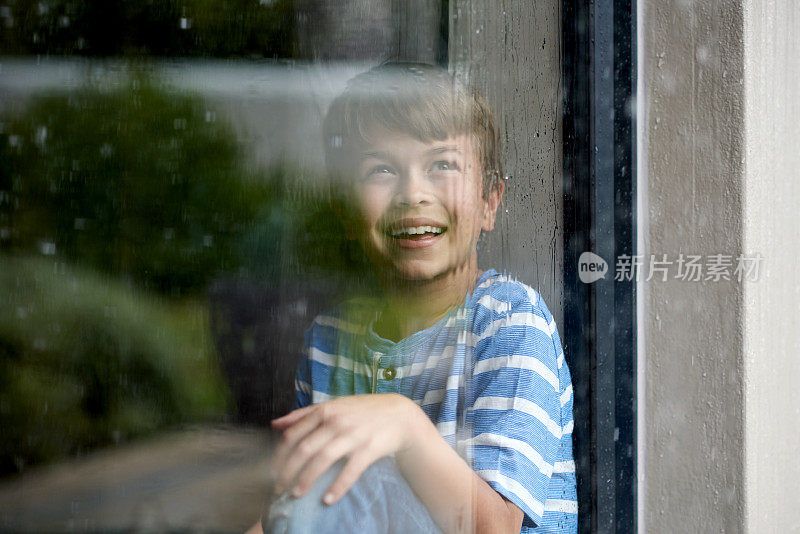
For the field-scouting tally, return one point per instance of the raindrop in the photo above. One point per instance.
(5, 12)
(41, 135)
(48, 248)
(631, 106)
(703, 54)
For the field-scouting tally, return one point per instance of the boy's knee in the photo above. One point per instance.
(364, 503)
(287, 514)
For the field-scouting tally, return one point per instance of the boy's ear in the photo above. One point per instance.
(491, 204)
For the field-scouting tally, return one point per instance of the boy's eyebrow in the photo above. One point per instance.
(377, 155)
(445, 148)
(435, 150)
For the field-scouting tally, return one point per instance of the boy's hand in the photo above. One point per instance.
(358, 428)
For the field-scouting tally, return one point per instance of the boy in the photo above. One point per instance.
(445, 404)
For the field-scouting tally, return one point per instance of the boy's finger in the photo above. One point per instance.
(299, 455)
(292, 435)
(318, 464)
(351, 472)
(291, 417)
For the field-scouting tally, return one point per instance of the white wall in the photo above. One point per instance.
(772, 304)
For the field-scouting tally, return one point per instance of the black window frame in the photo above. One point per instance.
(599, 75)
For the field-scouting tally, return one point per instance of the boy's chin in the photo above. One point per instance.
(412, 273)
(419, 273)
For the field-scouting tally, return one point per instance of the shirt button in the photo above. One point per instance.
(389, 373)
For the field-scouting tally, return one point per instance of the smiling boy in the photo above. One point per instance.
(445, 403)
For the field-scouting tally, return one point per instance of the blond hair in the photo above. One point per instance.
(423, 101)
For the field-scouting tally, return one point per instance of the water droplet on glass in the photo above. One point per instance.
(48, 248)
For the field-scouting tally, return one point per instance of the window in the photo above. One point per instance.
(167, 235)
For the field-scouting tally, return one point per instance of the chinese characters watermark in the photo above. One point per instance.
(662, 267)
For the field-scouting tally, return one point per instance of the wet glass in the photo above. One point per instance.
(171, 225)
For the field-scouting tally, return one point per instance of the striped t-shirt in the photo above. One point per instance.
(490, 375)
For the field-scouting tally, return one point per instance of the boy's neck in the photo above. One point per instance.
(414, 305)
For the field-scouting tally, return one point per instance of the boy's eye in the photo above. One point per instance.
(444, 165)
(379, 170)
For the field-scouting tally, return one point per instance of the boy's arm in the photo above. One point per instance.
(457, 498)
(364, 428)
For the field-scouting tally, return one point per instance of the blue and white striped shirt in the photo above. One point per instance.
(490, 375)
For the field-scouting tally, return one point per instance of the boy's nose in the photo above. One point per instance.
(412, 188)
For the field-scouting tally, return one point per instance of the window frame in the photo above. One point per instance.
(599, 121)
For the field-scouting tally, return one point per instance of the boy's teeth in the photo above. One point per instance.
(416, 230)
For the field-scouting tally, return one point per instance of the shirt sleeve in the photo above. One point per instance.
(516, 412)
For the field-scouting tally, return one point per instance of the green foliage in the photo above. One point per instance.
(299, 234)
(114, 201)
(86, 362)
(134, 181)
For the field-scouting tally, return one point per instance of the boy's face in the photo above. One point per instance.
(420, 206)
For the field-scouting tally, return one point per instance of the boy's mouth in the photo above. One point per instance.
(415, 232)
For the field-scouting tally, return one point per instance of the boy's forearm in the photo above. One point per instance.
(456, 497)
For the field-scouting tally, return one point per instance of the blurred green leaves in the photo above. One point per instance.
(119, 204)
(135, 182)
(85, 361)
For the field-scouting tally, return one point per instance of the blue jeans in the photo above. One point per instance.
(380, 502)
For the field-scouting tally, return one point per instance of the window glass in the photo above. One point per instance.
(171, 224)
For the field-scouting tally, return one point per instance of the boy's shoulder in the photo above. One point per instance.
(502, 295)
(511, 318)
